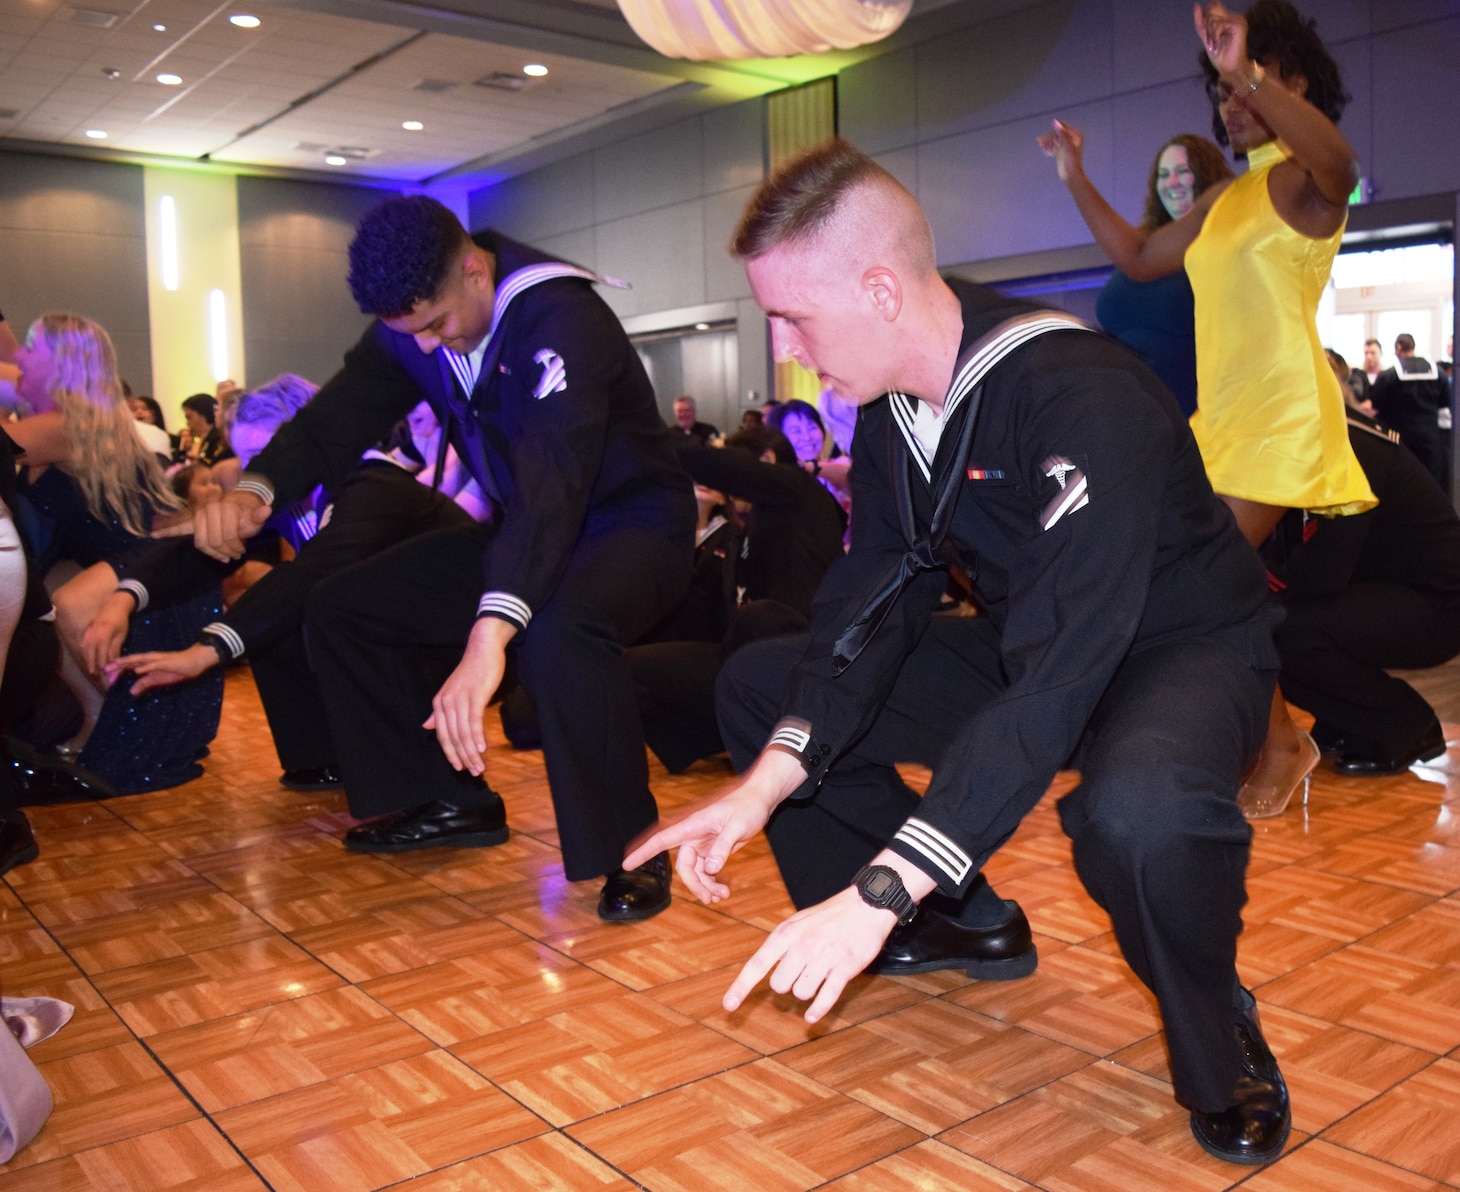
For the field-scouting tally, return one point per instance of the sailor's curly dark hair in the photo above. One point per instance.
(1281, 38)
(400, 254)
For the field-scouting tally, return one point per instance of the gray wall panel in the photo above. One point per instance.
(662, 253)
(298, 315)
(724, 276)
(992, 193)
(1053, 56)
(556, 198)
(649, 171)
(74, 238)
(734, 155)
(1416, 96)
(877, 102)
(578, 248)
(65, 195)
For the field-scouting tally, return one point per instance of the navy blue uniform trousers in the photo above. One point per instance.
(1158, 840)
(384, 635)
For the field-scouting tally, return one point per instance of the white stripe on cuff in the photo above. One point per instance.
(138, 590)
(792, 738)
(252, 482)
(504, 604)
(940, 850)
(229, 636)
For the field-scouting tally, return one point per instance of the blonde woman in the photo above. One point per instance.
(95, 487)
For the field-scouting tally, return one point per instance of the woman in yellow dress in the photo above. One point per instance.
(1270, 416)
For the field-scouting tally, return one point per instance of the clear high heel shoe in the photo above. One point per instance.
(1263, 801)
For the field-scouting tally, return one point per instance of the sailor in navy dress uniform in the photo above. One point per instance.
(1124, 629)
(590, 545)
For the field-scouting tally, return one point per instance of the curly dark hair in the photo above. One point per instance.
(400, 254)
(1207, 163)
(1281, 38)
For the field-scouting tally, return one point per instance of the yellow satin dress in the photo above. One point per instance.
(1270, 417)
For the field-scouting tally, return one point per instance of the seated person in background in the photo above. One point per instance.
(426, 451)
(793, 533)
(751, 419)
(1344, 374)
(150, 427)
(686, 423)
(1364, 593)
(1408, 398)
(90, 491)
(377, 505)
(802, 425)
(202, 441)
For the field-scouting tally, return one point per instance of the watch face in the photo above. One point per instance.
(878, 885)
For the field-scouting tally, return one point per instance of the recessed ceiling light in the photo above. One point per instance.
(412, 125)
(96, 134)
(702, 326)
(535, 69)
(244, 21)
(334, 159)
(159, 28)
(169, 80)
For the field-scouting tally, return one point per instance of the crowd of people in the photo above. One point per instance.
(1124, 554)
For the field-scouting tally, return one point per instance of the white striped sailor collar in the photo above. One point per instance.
(975, 361)
(467, 366)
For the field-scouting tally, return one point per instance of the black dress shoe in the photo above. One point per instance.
(1255, 1126)
(17, 843)
(431, 825)
(320, 778)
(1357, 763)
(1002, 952)
(45, 780)
(630, 894)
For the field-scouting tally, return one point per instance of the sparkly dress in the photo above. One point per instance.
(154, 740)
(1270, 417)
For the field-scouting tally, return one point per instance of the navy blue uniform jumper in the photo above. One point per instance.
(1123, 624)
(590, 544)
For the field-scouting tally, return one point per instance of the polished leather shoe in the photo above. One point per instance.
(319, 778)
(431, 825)
(17, 843)
(45, 780)
(630, 894)
(1366, 764)
(1255, 1126)
(1002, 952)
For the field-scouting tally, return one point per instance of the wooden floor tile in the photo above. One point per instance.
(1415, 1125)
(928, 1167)
(309, 1040)
(404, 936)
(192, 1157)
(104, 1096)
(935, 1064)
(1410, 1001)
(1322, 1165)
(1079, 996)
(547, 1163)
(377, 1127)
(214, 984)
(489, 991)
(574, 1065)
(768, 1022)
(761, 1126)
(462, 1020)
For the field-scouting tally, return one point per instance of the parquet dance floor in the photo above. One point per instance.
(258, 1008)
